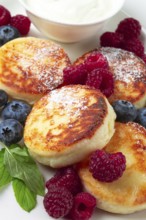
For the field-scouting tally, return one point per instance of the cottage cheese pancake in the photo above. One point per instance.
(129, 75)
(68, 124)
(30, 67)
(128, 193)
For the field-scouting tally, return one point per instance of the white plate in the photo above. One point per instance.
(9, 209)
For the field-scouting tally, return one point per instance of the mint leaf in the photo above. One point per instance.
(21, 166)
(24, 196)
(5, 177)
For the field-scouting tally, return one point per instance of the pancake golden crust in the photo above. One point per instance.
(129, 75)
(67, 120)
(30, 67)
(128, 193)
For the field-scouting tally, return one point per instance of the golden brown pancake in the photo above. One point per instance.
(128, 193)
(129, 73)
(30, 67)
(68, 124)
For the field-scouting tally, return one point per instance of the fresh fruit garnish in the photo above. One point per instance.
(74, 74)
(58, 202)
(16, 109)
(95, 61)
(126, 36)
(124, 110)
(84, 205)
(130, 28)
(8, 33)
(144, 58)
(22, 23)
(107, 167)
(5, 16)
(111, 39)
(68, 178)
(141, 117)
(101, 79)
(11, 131)
(134, 45)
(3, 98)
(93, 72)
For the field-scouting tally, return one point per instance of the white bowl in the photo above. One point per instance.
(69, 32)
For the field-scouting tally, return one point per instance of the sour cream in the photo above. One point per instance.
(72, 11)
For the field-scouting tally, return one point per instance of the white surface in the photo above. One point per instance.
(9, 209)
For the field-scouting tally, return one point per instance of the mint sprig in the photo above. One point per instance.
(5, 177)
(17, 165)
(24, 196)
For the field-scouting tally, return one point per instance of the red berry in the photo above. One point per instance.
(84, 205)
(111, 39)
(68, 178)
(22, 23)
(94, 79)
(130, 28)
(107, 84)
(144, 58)
(95, 60)
(74, 74)
(134, 45)
(5, 16)
(107, 167)
(58, 202)
(101, 79)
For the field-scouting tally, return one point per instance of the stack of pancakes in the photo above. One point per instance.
(67, 124)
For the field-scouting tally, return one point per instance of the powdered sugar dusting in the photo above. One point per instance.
(125, 65)
(40, 65)
(72, 101)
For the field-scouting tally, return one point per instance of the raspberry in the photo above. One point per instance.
(95, 60)
(74, 74)
(144, 58)
(68, 178)
(22, 23)
(58, 202)
(130, 28)
(111, 39)
(84, 205)
(107, 167)
(5, 16)
(101, 79)
(94, 79)
(134, 45)
(107, 84)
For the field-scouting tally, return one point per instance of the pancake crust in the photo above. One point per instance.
(128, 193)
(67, 124)
(129, 73)
(30, 67)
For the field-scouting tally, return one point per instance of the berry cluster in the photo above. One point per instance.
(126, 36)
(94, 72)
(13, 114)
(12, 27)
(65, 197)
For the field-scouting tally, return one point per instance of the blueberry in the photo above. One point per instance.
(8, 33)
(16, 109)
(3, 98)
(124, 110)
(11, 131)
(141, 117)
